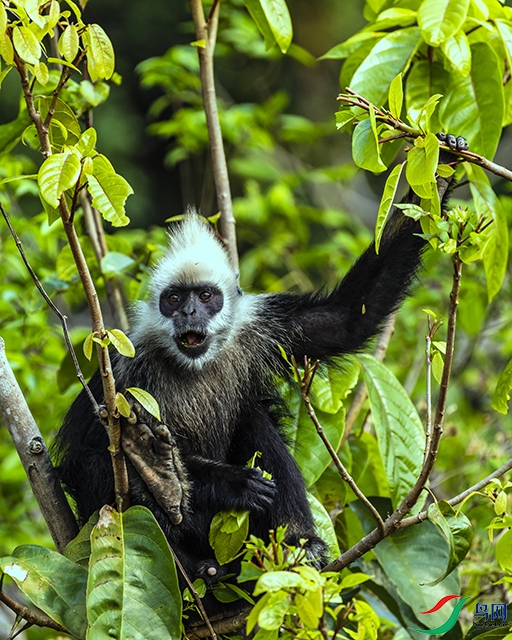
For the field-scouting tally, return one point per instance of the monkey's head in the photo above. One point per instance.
(194, 296)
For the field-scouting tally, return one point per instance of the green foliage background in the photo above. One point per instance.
(304, 214)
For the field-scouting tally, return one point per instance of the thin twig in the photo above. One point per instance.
(39, 619)
(206, 33)
(428, 391)
(478, 486)
(96, 233)
(194, 593)
(63, 319)
(305, 385)
(356, 100)
(392, 523)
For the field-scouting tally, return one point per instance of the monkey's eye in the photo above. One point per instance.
(174, 298)
(205, 295)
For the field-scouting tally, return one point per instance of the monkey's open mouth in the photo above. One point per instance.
(192, 339)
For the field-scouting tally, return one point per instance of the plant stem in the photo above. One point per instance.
(98, 327)
(206, 33)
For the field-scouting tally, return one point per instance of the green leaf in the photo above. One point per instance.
(26, 44)
(258, 15)
(85, 146)
(228, 532)
(132, 579)
(69, 43)
(457, 52)
(504, 551)
(398, 427)
(95, 94)
(58, 173)
(422, 164)
(502, 395)
(424, 80)
(52, 582)
(147, 401)
(440, 19)
(365, 146)
(456, 529)
(100, 53)
(409, 562)
(437, 366)
(3, 19)
(496, 250)
(396, 96)
(474, 104)
(386, 60)
(109, 192)
(307, 448)
(323, 524)
(280, 23)
(332, 384)
(121, 342)
(64, 126)
(6, 49)
(114, 263)
(88, 346)
(386, 204)
(41, 73)
(122, 405)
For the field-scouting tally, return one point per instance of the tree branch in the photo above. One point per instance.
(39, 619)
(98, 327)
(206, 33)
(305, 385)
(34, 457)
(94, 229)
(392, 523)
(353, 99)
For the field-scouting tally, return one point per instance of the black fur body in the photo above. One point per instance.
(223, 405)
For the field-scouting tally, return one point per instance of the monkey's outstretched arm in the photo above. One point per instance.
(322, 325)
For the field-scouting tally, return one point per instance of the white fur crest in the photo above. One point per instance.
(195, 256)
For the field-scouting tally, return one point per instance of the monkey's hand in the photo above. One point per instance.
(155, 456)
(259, 492)
(229, 487)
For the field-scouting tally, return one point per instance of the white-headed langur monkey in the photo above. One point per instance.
(211, 357)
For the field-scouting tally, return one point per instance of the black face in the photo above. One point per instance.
(191, 309)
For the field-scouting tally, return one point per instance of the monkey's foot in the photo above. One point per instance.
(155, 457)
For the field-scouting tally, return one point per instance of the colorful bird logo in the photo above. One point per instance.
(450, 623)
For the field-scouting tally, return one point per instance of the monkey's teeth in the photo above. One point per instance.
(192, 339)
